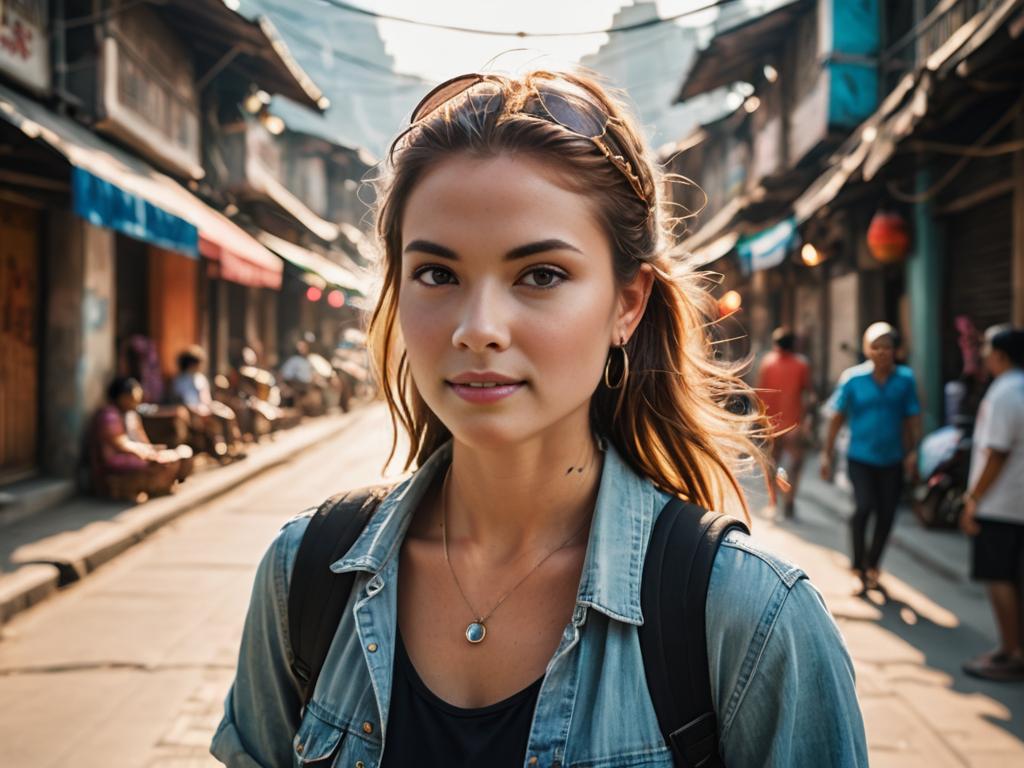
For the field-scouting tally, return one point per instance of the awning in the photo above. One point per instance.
(360, 242)
(313, 262)
(739, 53)
(874, 142)
(134, 196)
(223, 38)
(105, 205)
(264, 182)
(767, 248)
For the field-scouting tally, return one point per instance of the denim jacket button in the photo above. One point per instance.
(372, 647)
(367, 727)
(360, 764)
(532, 760)
(299, 749)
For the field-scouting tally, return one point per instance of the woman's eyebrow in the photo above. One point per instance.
(519, 252)
(425, 246)
(552, 244)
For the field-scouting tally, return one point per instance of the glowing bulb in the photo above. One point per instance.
(336, 299)
(256, 101)
(771, 74)
(730, 302)
(313, 293)
(810, 255)
(274, 124)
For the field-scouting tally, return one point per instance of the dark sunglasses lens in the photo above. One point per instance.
(576, 114)
(442, 94)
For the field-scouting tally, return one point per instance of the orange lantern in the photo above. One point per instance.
(888, 237)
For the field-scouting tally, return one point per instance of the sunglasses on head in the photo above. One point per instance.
(572, 110)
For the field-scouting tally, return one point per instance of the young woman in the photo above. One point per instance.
(878, 399)
(557, 383)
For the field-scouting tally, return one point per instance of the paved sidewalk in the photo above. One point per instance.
(56, 547)
(919, 708)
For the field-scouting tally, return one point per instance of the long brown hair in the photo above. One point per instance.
(684, 419)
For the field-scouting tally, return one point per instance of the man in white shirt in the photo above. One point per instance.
(994, 503)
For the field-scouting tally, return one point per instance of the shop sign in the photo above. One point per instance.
(24, 43)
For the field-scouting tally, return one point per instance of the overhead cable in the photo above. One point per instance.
(344, 6)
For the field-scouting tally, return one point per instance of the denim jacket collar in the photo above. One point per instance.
(627, 505)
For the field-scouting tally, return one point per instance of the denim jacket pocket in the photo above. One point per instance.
(317, 742)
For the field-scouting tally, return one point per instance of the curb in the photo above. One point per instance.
(46, 566)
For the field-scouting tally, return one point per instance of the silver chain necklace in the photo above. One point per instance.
(476, 630)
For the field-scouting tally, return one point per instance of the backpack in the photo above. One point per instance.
(677, 570)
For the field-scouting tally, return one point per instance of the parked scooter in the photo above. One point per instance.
(943, 464)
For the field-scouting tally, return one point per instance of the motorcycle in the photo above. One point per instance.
(943, 464)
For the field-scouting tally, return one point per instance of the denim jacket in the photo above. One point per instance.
(781, 678)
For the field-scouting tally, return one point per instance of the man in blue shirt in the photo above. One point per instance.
(878, 400)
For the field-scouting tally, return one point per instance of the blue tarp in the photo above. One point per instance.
(767, 248)
(106, 205)
(853, 92)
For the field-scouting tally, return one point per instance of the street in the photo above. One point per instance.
(134, 661)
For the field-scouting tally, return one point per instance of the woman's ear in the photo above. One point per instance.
(633, 299)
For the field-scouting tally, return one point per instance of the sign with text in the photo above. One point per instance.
(24, 44)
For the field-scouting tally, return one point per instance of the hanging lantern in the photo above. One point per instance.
(888, 237)
(313, 293)
(336, 299)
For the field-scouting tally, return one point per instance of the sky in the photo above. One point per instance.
(375, 70)
(438, 54)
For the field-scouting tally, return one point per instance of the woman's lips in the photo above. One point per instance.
(486, 392)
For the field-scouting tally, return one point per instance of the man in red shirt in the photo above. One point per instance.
(784, 384)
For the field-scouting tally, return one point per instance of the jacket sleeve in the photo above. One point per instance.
(794, 702)
(262, 709)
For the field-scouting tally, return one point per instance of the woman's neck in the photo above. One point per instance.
(509, 501)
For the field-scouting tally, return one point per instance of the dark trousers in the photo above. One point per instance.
(876, 490)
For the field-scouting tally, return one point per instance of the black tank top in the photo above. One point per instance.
(424, 731)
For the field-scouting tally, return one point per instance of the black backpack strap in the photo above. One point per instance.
(317, 595)
(673, 642)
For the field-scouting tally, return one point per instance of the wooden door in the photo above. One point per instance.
(19, 340)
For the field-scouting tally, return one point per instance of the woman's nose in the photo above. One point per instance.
(482, 323)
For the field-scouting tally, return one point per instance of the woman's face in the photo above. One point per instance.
(508, 303)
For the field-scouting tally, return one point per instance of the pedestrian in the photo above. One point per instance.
(214, 423)
(993, 512)
(784, 385)
(559, 388)
(878, 400)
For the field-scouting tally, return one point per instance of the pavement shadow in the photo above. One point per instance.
(943, 644)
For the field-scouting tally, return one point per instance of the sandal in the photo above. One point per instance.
(996, 665)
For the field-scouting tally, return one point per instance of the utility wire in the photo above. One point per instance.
(372, 66)
(344, 6)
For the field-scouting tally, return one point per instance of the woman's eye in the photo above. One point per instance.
(543, 277)
(434, 276)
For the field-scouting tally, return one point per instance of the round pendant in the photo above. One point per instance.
(476, 632)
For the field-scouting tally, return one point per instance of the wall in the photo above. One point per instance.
(79, 357)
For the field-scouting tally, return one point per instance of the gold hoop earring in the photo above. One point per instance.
(625, 368)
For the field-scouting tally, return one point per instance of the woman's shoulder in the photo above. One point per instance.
(755, 592)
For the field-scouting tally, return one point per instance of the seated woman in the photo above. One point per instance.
(123, 461)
